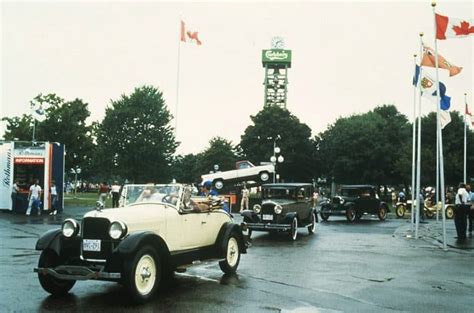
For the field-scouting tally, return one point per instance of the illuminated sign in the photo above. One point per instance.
(34, 161)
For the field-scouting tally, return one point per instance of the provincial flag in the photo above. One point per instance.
(430, 60)
(469, 115)
(449, 27)
(428, 89)
(444, 118)
(187, 35)
(416, 76)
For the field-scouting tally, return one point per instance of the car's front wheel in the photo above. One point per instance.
(351, 214)
(294, 229)
(232, 255)
(449, 212)
(400, 210)
(382, 213)
(55, 286)
(324, 215)
(142, 274)
(264, 176)
(312, 226)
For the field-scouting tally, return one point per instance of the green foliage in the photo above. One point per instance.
(220, 152)
(135, 139)
(19, 128)
(365, 148)
(184, 169)
(296, 146)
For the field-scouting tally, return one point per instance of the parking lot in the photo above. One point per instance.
(369, 266)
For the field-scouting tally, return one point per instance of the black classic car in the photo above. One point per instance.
(354, 201)
(283, 208)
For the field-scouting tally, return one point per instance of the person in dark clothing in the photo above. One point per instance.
(460, 212)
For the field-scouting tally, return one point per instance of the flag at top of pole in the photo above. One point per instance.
(449, 27)
(187, 35)
(470, 114)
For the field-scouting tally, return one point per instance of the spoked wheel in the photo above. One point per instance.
(382, 213)
(294, 229)
(232, 255)
(400, 211)
(55, 286)
(449, 212)
(143, 274)
(324, 216)
(351, 214)
(312, 227)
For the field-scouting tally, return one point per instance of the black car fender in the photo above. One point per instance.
(289, 217)
(135, 241)
(250, 216)
(50, 240)
(385, 205)
(54, 240)
(224, 233)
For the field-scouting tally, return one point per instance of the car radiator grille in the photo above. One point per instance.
(97, 228)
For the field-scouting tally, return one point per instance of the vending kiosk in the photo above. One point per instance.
(25, 162)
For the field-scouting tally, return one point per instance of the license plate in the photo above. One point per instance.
(268, 217)
(91, 245)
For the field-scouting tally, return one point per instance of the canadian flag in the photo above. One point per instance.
(449, 27)
(471, 117)
(189, 35)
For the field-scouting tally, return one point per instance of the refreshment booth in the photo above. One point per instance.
(26, 162)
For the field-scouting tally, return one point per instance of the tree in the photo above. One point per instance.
(297, 148)
(220, 152)
(184, 168)
(135, 139)
(365, 148)
(65, 123)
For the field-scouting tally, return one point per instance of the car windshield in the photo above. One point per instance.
(350, 192)
(150, 193)
(278, 193)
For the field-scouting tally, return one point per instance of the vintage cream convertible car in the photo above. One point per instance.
(161, 229)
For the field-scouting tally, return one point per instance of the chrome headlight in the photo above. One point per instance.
(70, 228)
(278, 209)
(117, 230)
(257, 208)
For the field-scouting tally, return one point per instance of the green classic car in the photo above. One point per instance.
(353, 201)
(283, 208)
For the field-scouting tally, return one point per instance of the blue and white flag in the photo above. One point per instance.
(38, 112)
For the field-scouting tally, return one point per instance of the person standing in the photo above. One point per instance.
(115, 191)
(470, 208)
(244, 203)
(103, 190)
(460, 212)
(54, 198)
(34, 197)
(15, 190)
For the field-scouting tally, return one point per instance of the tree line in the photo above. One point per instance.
(135, 141)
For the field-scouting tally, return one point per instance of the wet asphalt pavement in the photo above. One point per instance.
(369, 266)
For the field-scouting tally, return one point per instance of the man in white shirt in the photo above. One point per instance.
(115, 191)
(54, 198)
(462, 207)
(34, 196)
(15, 190)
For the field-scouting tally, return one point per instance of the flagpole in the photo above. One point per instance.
(413, 150)
(465, 137)
(418, 160)
(437, 171)
(440, 133)
(177, 88)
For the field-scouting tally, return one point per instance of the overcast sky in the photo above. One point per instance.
(348, 57)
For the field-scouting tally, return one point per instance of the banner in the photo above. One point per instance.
(6, 174)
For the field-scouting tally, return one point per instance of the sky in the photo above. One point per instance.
(348, 57)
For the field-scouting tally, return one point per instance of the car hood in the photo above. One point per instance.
(134, 215)
(277, 201)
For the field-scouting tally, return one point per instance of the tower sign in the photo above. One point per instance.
(276, 62)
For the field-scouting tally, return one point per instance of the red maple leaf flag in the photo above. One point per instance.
(188, 35)
(450, 27)
(471, 116)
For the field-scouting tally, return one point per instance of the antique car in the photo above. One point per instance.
(283, 208)
(245, 171)
(353, 201)
(160, 230)
(429, 208)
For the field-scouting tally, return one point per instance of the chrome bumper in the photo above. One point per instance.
(72, 272)
(263, 226)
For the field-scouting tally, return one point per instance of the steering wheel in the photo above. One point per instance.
(171, 199)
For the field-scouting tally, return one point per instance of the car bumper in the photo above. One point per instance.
(73, 272)
(268, 226)
(334, 212)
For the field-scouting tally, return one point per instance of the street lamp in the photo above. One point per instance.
(274, 158)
